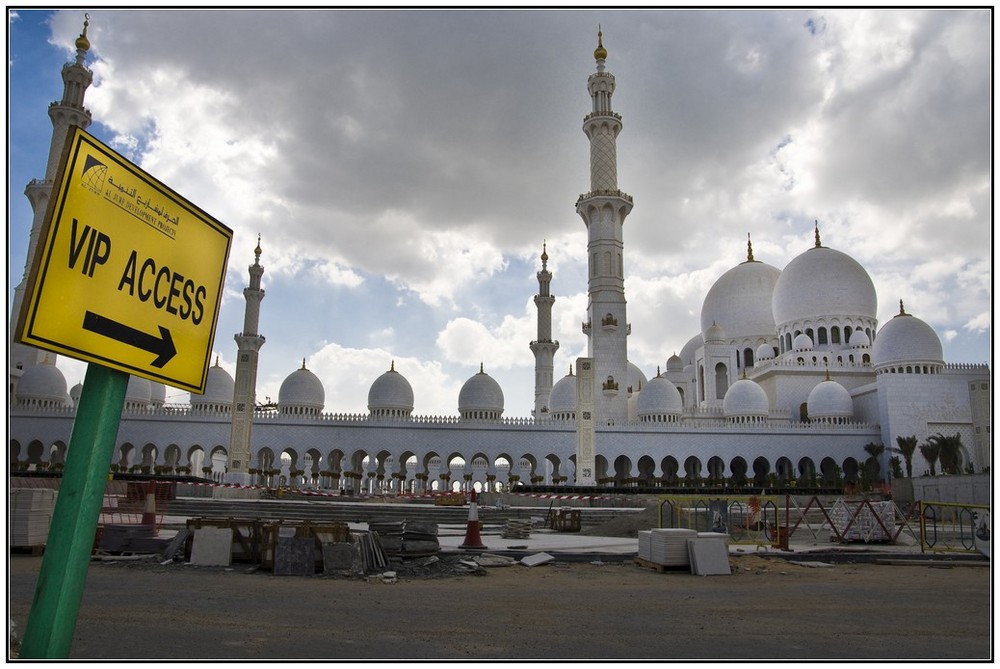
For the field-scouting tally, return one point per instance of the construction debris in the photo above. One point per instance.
(516, 529)
(373, 557)
(403, 538)
(536, 559)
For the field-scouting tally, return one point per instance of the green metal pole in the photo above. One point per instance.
(59, 590)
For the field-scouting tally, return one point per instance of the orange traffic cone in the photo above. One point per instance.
(149, 513)
(472, 540)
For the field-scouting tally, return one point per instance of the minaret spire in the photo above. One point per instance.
(543, 347)
(603, 211)
(248, 343)
(749, 249)
(64, 114)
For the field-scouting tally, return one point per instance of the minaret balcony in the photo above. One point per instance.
(586, 327)
(602, 114)
(610, 387)
(604, 193)
(609, 323)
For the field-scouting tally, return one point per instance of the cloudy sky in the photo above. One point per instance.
(403, 169)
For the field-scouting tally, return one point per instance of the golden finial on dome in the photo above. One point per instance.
(82, 43)
(257, 250)
(816, 233)
(749, 249)
(571, 370)
(657, 371)
(216, 361)
(303, 363)
(392, 366)
(901, 311)
(600, 53)
(545, 255)
(481, 368)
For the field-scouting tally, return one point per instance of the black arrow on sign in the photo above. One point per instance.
(163, 346)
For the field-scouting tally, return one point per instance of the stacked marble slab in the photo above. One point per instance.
(666, 546)
(29, 514)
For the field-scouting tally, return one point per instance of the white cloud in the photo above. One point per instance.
(980, 323)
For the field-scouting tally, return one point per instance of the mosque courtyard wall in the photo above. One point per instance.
(166, 439)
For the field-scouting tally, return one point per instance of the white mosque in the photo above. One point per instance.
(789, 379)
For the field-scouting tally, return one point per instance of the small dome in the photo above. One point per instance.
(802, 342)
(75, 392)
(391, 393)
(675, 363)
(859, 339)
(741, 301)
(659, 397)
(43, 384)
(745, 398)
(139, 391)
(821, 283)
(764, 352)
(906, 339)
(636, 379)
(301, 392)
(219, 388)
(480, 397)
(715, 334)
(829, 401)
(562, 398)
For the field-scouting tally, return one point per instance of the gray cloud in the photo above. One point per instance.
(433, 147)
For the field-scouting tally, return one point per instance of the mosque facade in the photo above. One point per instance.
(789, 379)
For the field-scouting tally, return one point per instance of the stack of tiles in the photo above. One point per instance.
(29, 516)
(644, 539)
(668, 546)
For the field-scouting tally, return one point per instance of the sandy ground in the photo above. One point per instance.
(767, 609)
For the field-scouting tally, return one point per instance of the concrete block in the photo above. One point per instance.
(212, 547)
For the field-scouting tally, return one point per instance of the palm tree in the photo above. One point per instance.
(907, 446)
(931, 450)
(872, 465)
(949, 452)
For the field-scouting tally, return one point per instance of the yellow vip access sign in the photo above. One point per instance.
(127, 273)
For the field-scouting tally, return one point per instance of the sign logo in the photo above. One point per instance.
(127, 273)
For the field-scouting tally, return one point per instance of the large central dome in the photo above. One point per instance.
(823, 283)
(740, 301)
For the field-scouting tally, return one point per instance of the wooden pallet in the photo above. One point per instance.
(662, 568)
(327, 532)
(248, 536)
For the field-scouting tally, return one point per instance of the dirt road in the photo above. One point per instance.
(768, 608)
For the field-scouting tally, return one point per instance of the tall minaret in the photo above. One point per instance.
(245, 391)
(603, 210)
(64, 114)
(544, 347)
